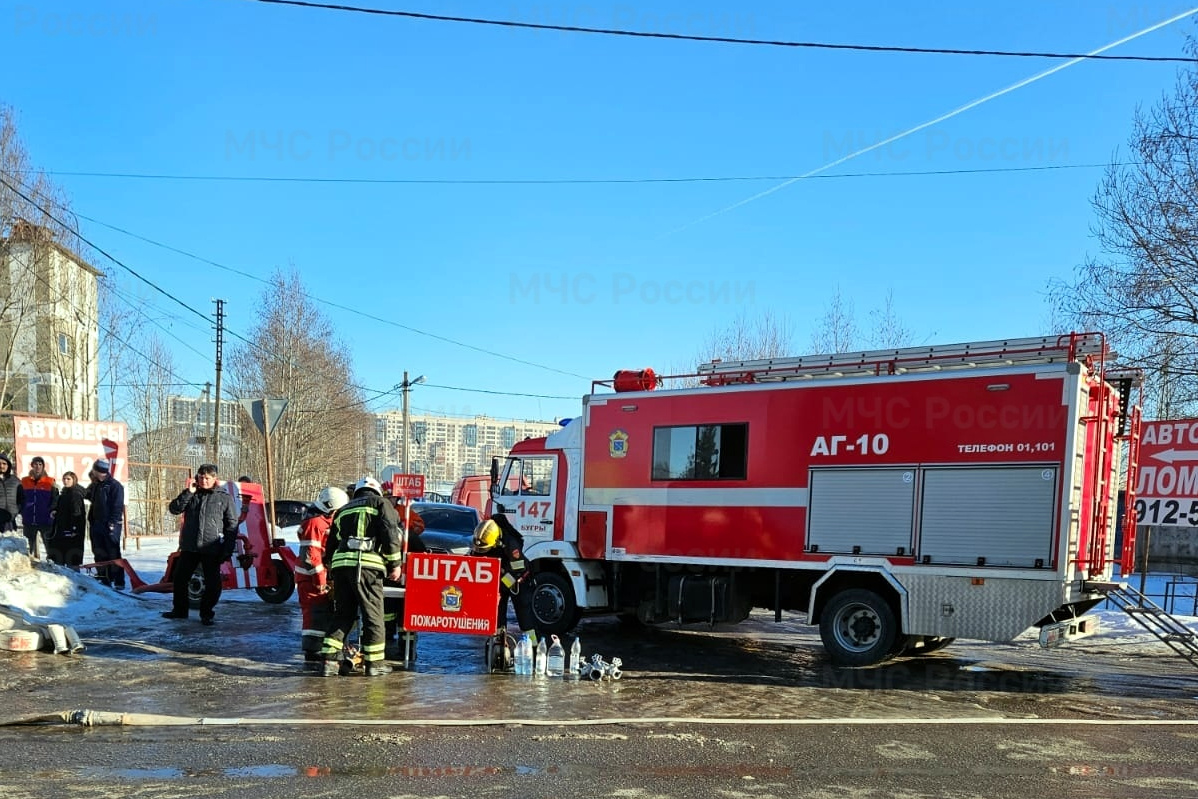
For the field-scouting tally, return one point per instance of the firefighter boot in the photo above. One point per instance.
(377, 668)
(328, 668)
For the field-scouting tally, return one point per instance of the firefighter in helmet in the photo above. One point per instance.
(311, 579)
(497, 538)
(365, 549)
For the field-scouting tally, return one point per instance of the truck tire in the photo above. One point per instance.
(280, 593)
(553, 604)
(927, 646)
(858, 628)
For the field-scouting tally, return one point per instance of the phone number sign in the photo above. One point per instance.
(1167, 482)
(451, 594)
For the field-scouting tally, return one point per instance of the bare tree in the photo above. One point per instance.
(837, 328)
(1142, 289)
(35, 221)
(163, 442)
(294, 354)
(765, 335)
(888, 331)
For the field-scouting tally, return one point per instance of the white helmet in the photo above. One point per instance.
(368, 484)
(330, 498)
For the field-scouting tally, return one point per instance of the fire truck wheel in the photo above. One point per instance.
(927, 646)
(280, 593)
(553, 604)
(858, 628)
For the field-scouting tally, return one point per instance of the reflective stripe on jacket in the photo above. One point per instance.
(372, 524)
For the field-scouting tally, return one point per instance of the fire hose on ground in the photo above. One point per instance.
(99, 718)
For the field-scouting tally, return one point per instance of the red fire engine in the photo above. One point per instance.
(901, 498)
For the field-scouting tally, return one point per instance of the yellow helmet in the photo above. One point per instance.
(486, 536)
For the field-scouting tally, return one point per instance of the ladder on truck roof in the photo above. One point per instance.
(1039, 349)
(1180, 638)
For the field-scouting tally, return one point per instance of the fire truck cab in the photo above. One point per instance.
(900, 498)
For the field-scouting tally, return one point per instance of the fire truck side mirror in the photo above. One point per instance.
(494, 472)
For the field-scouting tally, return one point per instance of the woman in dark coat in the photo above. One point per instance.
(65, 546)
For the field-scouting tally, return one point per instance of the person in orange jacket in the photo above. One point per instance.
(311, 578)
(41, 499)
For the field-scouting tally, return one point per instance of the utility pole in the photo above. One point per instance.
(406, 385)
(220, 343)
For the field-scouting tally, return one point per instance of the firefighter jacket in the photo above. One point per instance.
(41, 496)
(209, 522)
(365, 533)
(313, 534)
(513, 568)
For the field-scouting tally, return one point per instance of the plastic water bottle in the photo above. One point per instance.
(542, 655)
(555, 664)
(524, 657)
(575, 659)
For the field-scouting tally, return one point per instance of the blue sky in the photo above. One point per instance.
(578, 279)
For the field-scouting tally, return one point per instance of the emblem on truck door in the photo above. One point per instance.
(617, 444)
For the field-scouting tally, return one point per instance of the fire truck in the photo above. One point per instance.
(900, 498)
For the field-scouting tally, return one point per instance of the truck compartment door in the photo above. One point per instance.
(989, 516)
(867, 511)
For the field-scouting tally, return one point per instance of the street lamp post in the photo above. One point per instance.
(406, 385)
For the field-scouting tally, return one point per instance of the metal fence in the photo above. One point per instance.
(149, 490)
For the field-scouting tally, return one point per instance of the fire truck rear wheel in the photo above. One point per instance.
(926, 645)
(280, 593)
(858, 628)
(553, 604)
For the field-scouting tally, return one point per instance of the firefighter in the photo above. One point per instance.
(365, 549)
(311, 579)
(497, 538)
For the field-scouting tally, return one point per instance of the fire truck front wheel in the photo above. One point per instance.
(553, 604)
(858, 628)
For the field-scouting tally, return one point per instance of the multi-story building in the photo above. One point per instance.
(49, 326)
(194, 417)
(444, 448)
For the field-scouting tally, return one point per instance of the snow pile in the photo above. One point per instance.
(56, 594)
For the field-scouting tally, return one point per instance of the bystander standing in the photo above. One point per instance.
(37, 511)
(64, 545)
(12, 495)
(207, 539)
(106, 519)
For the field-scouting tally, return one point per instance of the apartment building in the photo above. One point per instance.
(49, 326)
(444, 448)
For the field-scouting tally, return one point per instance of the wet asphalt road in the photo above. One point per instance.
(803, 727)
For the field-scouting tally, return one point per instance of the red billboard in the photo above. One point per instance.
(451, 594)
(1167, 483)
(70, 446)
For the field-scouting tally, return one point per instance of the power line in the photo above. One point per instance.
(100, 250)
(327, 302)
(568, 181)
(503, 393)
(718, 39)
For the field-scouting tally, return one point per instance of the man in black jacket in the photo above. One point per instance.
(208, 538)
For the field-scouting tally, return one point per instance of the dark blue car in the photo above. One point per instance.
(448, 528)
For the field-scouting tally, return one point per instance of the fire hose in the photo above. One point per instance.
(97, 718)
